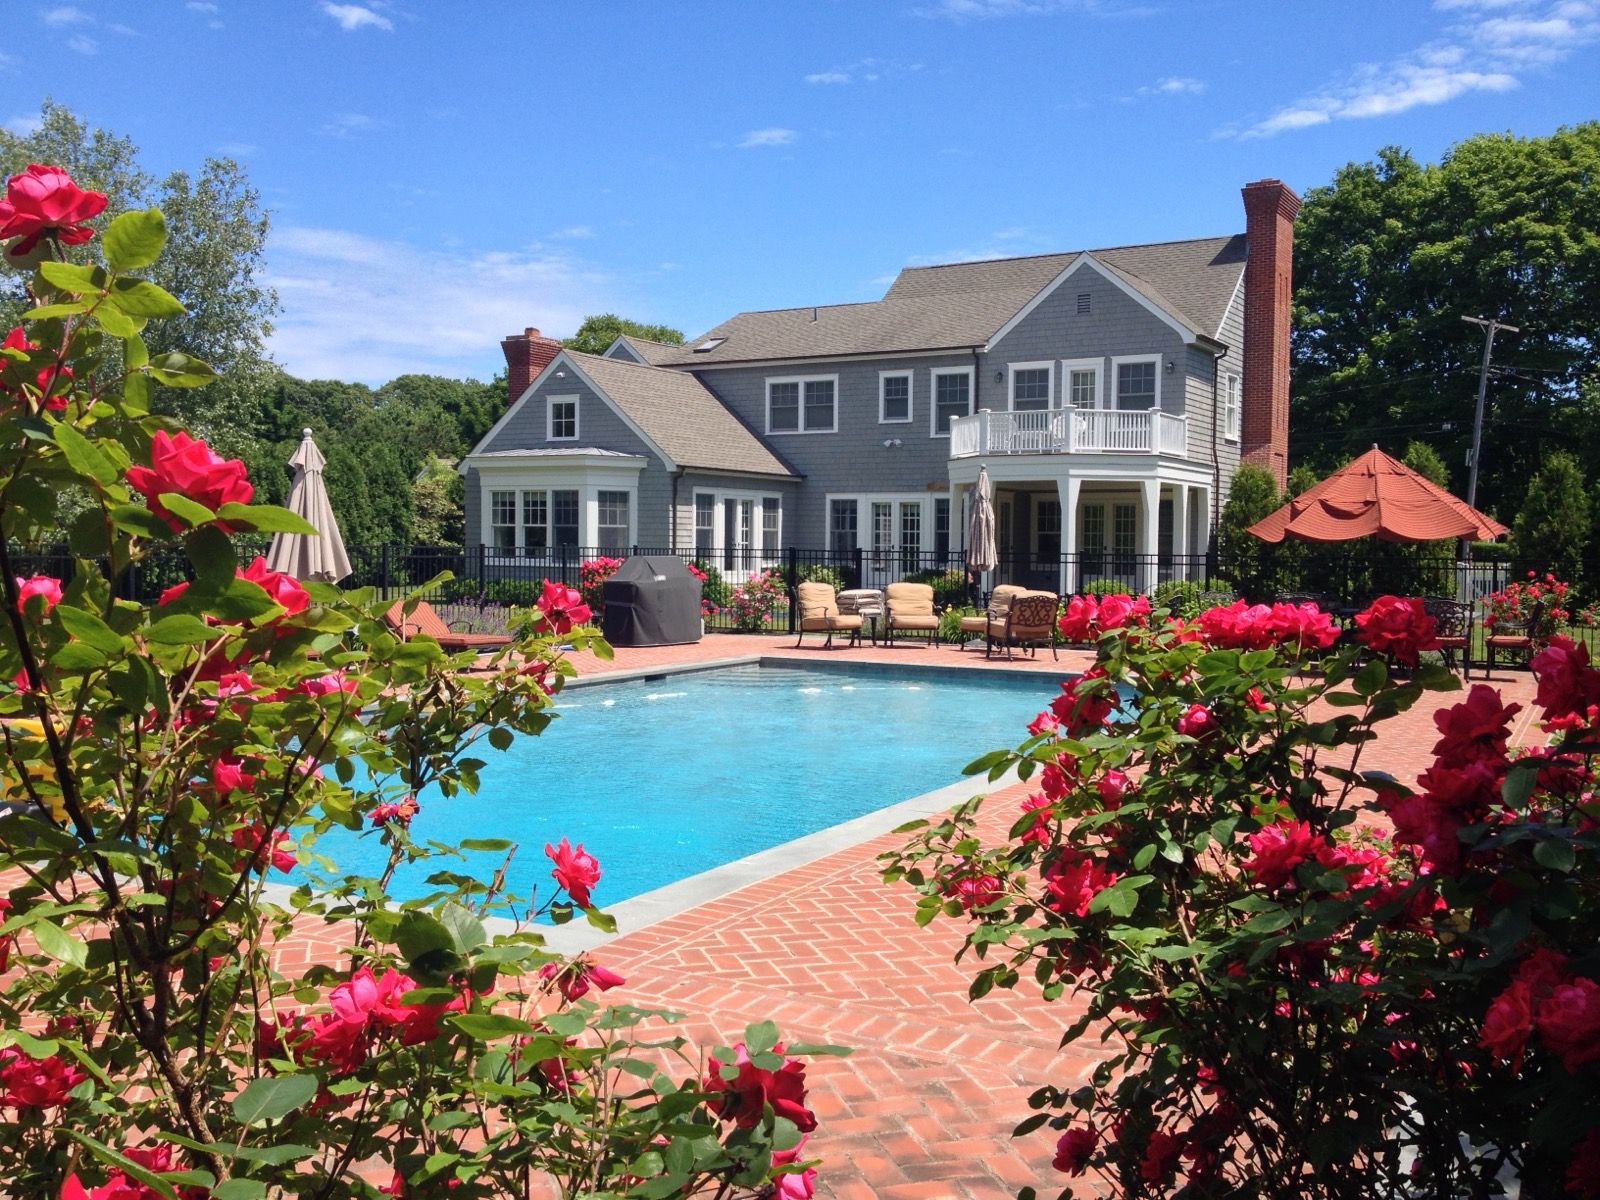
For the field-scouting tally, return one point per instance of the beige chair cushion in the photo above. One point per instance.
(1000, 599)
(1033, 614)
(819, 610)
(909, 600)
(978, 624)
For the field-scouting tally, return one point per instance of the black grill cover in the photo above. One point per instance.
(651, 602)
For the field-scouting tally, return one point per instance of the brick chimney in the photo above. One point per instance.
(527, 353)
(1269, 212)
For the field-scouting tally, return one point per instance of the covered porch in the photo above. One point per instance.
(1064, 528)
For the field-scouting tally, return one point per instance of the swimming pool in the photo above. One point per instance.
(667, 777)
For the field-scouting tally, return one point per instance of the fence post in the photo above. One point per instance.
(383, 572)
(483, 567)
(860, 574)
(791, 573)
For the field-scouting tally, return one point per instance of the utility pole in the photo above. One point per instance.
(1490, 327)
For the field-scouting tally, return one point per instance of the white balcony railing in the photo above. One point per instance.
(1069, 431)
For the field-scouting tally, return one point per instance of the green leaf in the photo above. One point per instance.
(602, 921)
(466, 931)
(1519, 782)
(46, 312)
(84, 456)
(760, 1037)
(141, 298)
(273, 1096)
(139, 520)
(69, 277)
(215, 562)
(239, 1189)
(118, 323)
(134, 239)
(1370, 680)
(488, 1026)
(489, 844)
(186, 509)
(176, 369)
(181, 629)
(59, 944)
(264, 518)
(123, 1163)
(1555, 853)
(87, 628)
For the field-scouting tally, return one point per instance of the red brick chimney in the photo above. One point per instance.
(527, 353)
(1269, 212)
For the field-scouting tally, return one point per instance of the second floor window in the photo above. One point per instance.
(952, 398)
(1136, 384)
(801, 405)
(564, 419)
(1030, 388)
(894, 398)
(1231, 407)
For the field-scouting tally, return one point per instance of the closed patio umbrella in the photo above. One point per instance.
(981, 552)
(305, 557)
(1376, 496)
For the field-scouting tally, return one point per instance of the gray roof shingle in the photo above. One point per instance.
(963, 304)
(678, 414)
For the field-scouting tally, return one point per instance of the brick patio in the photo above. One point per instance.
(924, 1106)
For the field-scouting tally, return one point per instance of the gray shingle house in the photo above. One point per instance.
(1111, 393)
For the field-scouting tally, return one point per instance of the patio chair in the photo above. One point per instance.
(1029, 623)
(1525, 642)
(422, 619)
(910, 608)
(999, 604)
(818, 612)
(1453, 621)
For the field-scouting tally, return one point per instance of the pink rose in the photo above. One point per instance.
(793, 1185)
(260, 849)
(576, 871)
(563, 607)
(1398, 626)
(189, 467)
(1278, 850)
(1197, 722)
(1304, 626)
(395, 810)
(1077, 623)
(47, 586)
(1114, 787)
(1073, 1149)
(744, 1098)
(1073, 881)
(44, 202)
(284, 589)
(47, 378)
(28, 1082)
(576, 978)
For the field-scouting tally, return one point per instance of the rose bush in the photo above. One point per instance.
(753, 602)
(1310, 979)
(162, 763)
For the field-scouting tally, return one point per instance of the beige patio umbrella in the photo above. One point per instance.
(982, 554)
(305, 557)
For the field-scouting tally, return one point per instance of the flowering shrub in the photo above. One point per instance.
(165, 761)
(1310, 979)
(1587, 617)
(1510, 608)
(592, 575)
(708, 607)
(752, 603)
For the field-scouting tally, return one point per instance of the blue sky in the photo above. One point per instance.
(440, 174)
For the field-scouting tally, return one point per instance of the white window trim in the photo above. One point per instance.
(550, 418)
(720, 498)
(911, 397)
(1034, 530)
(1046, 366)
(934, 374)
(802, 380)
(1233, 385)
(1117, 360)
(864, 502)
(610, 473)
(1096, 365)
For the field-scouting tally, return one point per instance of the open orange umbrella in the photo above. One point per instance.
(1376, 496)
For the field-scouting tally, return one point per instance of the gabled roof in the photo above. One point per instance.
(958, 305)
(676, 412)
(650, 352)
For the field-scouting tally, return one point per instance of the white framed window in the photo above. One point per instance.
(705, 525)
(882, 532)
(535, 520)
(803, 404)
(1032, 386)
(843, 523)
(562, 419)
(1125, 534)
(771, 527)
(894, 397)
(952, 397)
(1136, 381)
(737, 530)
(894, 529)
(503, 520)
(613, 524)
(1232, 407)
(941, 526)
(1047, 533)
(1080, 383)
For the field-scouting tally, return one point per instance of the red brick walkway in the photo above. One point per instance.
(925, 1105)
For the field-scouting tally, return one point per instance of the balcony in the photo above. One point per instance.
(1069, 431)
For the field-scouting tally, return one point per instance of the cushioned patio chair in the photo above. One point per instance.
(910, 608)
(1514, 644)
(424, 620)
(1030, 623)
(999, 604)
(1453, 630)
(818, 612)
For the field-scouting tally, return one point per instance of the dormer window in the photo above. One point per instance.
(563, 419)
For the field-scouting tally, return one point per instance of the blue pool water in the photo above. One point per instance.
(666, 778)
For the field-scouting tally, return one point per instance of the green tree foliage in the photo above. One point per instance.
(598, 331)
(1425, 461)
(1246, 559)
(1393, 253)
(1551, 531)
(1302, 479)
(438, 499)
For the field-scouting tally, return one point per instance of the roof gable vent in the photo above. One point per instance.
(1083, 302)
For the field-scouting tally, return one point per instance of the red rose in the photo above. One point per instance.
(1073, 1149)
(1082, 705)
(1475, 729)
(1238, 626)
(48, 379)
(1078, 621)
(743, 1099)
(38, 585)
(1583, 1175)
(1114, 787)
(574, 979)
(284, 589)
(28, 1082)
(1117, 611)
(1567, 683)
(1039, 831)
(260, 849)
(1197, 722)
(1568, 1021)
(576, 871)
(1160, 1160)
(395, 810)
(1073, 881)
(1507, 1024)
(1399, 626)
(1279, 849)
(563, 607)
(1301, 625)
(1425, 822)
(7, 940)
(189, 467)
(976, 891)
(44, 202)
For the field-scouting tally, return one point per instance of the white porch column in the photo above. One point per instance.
(1068, 489)
(1150, 541)
(1180, 529)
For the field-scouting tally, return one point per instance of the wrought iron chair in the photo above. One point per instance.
(1522, 643)
(1453, 629)
(1030, 622)
(818, 612)
(911, 609)
(1000, 601)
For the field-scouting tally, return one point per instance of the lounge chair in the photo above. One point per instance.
(910, 608)
(818, 612)
(1454, 630)
(999, 604)
(1525, 642)
(1030, 623)
(422, 619)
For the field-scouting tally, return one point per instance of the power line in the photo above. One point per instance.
(1490, 327)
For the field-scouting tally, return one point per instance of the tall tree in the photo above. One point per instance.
(597, 333)
(1393, 253)
(1552, 530)
(1425, 461)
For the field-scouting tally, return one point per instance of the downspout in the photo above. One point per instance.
(672, 521)
(1216, 457)
(977, 379)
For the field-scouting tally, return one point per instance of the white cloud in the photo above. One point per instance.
(572, 232)
(237, 149)
(66, 14)
(829, 77)
(866, 70)
(352, 17)
(982, 10)
(767, 137)
(1174, 85)
(24, 125)
(83, 44)
(362, 308)
(348, 125)
(201, 6)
